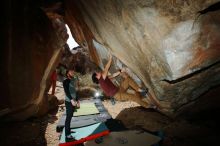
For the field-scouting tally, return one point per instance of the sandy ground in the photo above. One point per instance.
(184, 131)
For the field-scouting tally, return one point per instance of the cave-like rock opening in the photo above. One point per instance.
(170, 47)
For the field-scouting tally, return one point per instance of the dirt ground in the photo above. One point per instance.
(193, 130)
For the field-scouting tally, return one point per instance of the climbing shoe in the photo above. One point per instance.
(70, 138)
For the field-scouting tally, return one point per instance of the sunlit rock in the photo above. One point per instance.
(34, 42)
(173, 50)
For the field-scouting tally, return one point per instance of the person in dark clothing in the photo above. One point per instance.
(71, 100)
(53, 80)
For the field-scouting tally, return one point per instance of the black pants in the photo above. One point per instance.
(69, 115)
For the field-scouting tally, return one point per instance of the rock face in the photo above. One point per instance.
(173, 51)
(78, 59)
(165, 45)
(32, 48)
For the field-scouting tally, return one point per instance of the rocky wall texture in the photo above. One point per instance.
(165, 43)
(79, 29)
(167, 46)
(32, 48)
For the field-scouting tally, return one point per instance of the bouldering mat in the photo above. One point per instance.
(85, 134)
(82, 121)
(126, 138)
(86, 109)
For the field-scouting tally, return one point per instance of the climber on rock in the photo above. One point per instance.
(120, 93)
